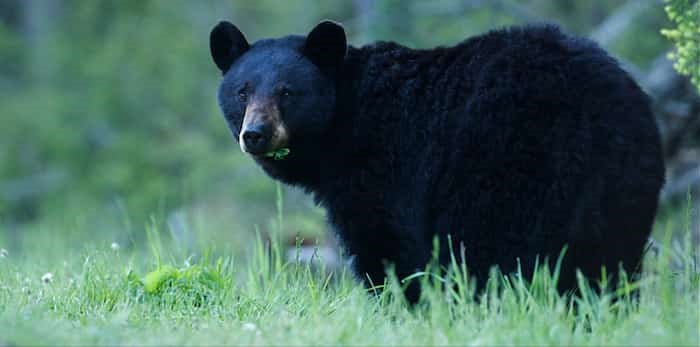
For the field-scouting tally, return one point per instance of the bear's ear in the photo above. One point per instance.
(227, 43)
(326, 45)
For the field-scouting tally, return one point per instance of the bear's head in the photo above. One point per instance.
(278, 94)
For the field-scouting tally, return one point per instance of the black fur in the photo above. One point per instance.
(516, 143)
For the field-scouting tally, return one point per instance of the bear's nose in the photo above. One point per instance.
(252, 137)
(255, 139)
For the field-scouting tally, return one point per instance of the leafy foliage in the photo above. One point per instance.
(685, 14)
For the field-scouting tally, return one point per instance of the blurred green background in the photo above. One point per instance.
(110, 122)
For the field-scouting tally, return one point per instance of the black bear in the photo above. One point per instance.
(514, 143)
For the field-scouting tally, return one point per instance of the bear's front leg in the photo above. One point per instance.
(377, 241)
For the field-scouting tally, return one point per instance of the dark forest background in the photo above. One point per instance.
(110, 124)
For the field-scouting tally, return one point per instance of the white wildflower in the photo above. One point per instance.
(249, 327)
(47, 278)
(114, 246)
(188, 262)
(3, 253)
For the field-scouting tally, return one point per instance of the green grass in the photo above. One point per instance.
(252, 295)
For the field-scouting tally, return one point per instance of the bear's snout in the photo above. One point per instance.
(263, 130)
(255, 138)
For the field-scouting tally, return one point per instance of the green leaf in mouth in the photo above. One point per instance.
(278, 154)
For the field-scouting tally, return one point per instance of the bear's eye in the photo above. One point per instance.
(285, 92)
(243, 95)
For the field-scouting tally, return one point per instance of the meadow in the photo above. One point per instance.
(63, 291)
